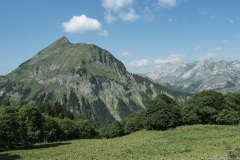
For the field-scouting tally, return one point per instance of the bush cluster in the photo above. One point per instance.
(24, 126)
(206, 107)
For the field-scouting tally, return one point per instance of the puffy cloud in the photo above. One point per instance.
(119, 9)
(139, 63)
(129, 16)
(172, 58)
(167, 3)
(109, 18)
(81, 24)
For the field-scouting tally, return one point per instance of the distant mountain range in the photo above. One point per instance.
(197, 76)
(85, 78)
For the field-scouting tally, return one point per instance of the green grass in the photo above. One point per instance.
(187, 142)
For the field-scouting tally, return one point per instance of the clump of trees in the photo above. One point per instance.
(211, 107)
(24, 126)
(206, 107)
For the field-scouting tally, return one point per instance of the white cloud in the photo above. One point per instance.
(172, 58)
(167, 3)
(81, 24)
(139, 63)
(103, 33)
(116, 5)
(130, 16)
(216, 49)
(125, 54)
(109, 18)
(119, 9)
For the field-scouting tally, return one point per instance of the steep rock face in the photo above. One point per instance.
(194, 77)
(85, 78)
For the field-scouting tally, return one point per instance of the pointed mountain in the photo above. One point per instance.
(204, 74)
(87, 79)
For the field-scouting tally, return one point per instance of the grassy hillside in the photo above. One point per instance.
(187, 142)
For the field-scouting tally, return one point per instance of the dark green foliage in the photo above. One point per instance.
(81, 72)
(211, 107)
(112, 130)
(145, 98)
(123, 109)
(24, 93)
(101, 114)
(49, 97)
(133, 105)
(9, 86)
(86, 110)
(84, 129)
(38, 98)
(31, 123)
(162, 113)
(55, 110)
(228, 116)
(73, 101)
(6, 102)
(134, 122)
(51, 130)
(8, 128)
(68, 129)
(233, 101)
(189, 115)
(64, 100)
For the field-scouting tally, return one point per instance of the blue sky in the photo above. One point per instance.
(142, 34)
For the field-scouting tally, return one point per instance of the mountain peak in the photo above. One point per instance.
(87, 79)
(200, 75)
(63, 39)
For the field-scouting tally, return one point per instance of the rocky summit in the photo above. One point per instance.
(85, 78)
(200, 75)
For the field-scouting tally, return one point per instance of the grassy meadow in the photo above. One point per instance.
(185, 142)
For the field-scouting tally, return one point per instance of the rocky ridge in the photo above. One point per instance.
(197, 76)
(85, 78)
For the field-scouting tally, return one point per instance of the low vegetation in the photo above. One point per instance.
(22, 127)
(206, 107)
(185, 142)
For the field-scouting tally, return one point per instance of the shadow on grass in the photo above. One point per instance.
(8, 156)
(50, 145)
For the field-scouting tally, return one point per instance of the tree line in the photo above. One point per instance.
(206, 107)
(24, 126)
